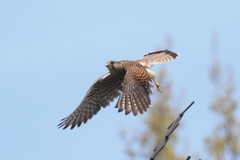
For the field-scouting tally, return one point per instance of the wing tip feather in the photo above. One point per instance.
(173, 54)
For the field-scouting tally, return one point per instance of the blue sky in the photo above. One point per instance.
(52, 51)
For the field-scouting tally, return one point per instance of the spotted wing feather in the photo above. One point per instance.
(103, 91)
(135, 92)
(157, 57)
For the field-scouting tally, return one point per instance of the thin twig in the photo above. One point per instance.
(171, 128)
(188, 158)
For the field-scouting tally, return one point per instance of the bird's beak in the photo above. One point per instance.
(107, 64)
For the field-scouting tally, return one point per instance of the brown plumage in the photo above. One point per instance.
(130, 80)
(135, 89)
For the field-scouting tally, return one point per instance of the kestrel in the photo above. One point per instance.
(128, 80)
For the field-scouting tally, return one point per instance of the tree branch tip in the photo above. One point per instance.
(187, 108)
(188, 158)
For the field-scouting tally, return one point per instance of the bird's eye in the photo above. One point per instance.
(112, 65)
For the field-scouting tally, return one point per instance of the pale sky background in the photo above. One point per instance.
(52, 51)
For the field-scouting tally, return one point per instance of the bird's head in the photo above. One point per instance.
(113, 66)
(110, 66)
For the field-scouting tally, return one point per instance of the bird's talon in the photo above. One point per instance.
(158, 87)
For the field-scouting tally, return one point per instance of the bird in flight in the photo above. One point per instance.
(128, 80)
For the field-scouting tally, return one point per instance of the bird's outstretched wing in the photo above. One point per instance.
(103, 91)
(157, 57)
(136, 89)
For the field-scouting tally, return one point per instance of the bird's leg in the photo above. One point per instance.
(158, 86)
(152, 74)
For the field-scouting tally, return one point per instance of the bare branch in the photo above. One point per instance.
(171, 128)
(188, 158)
